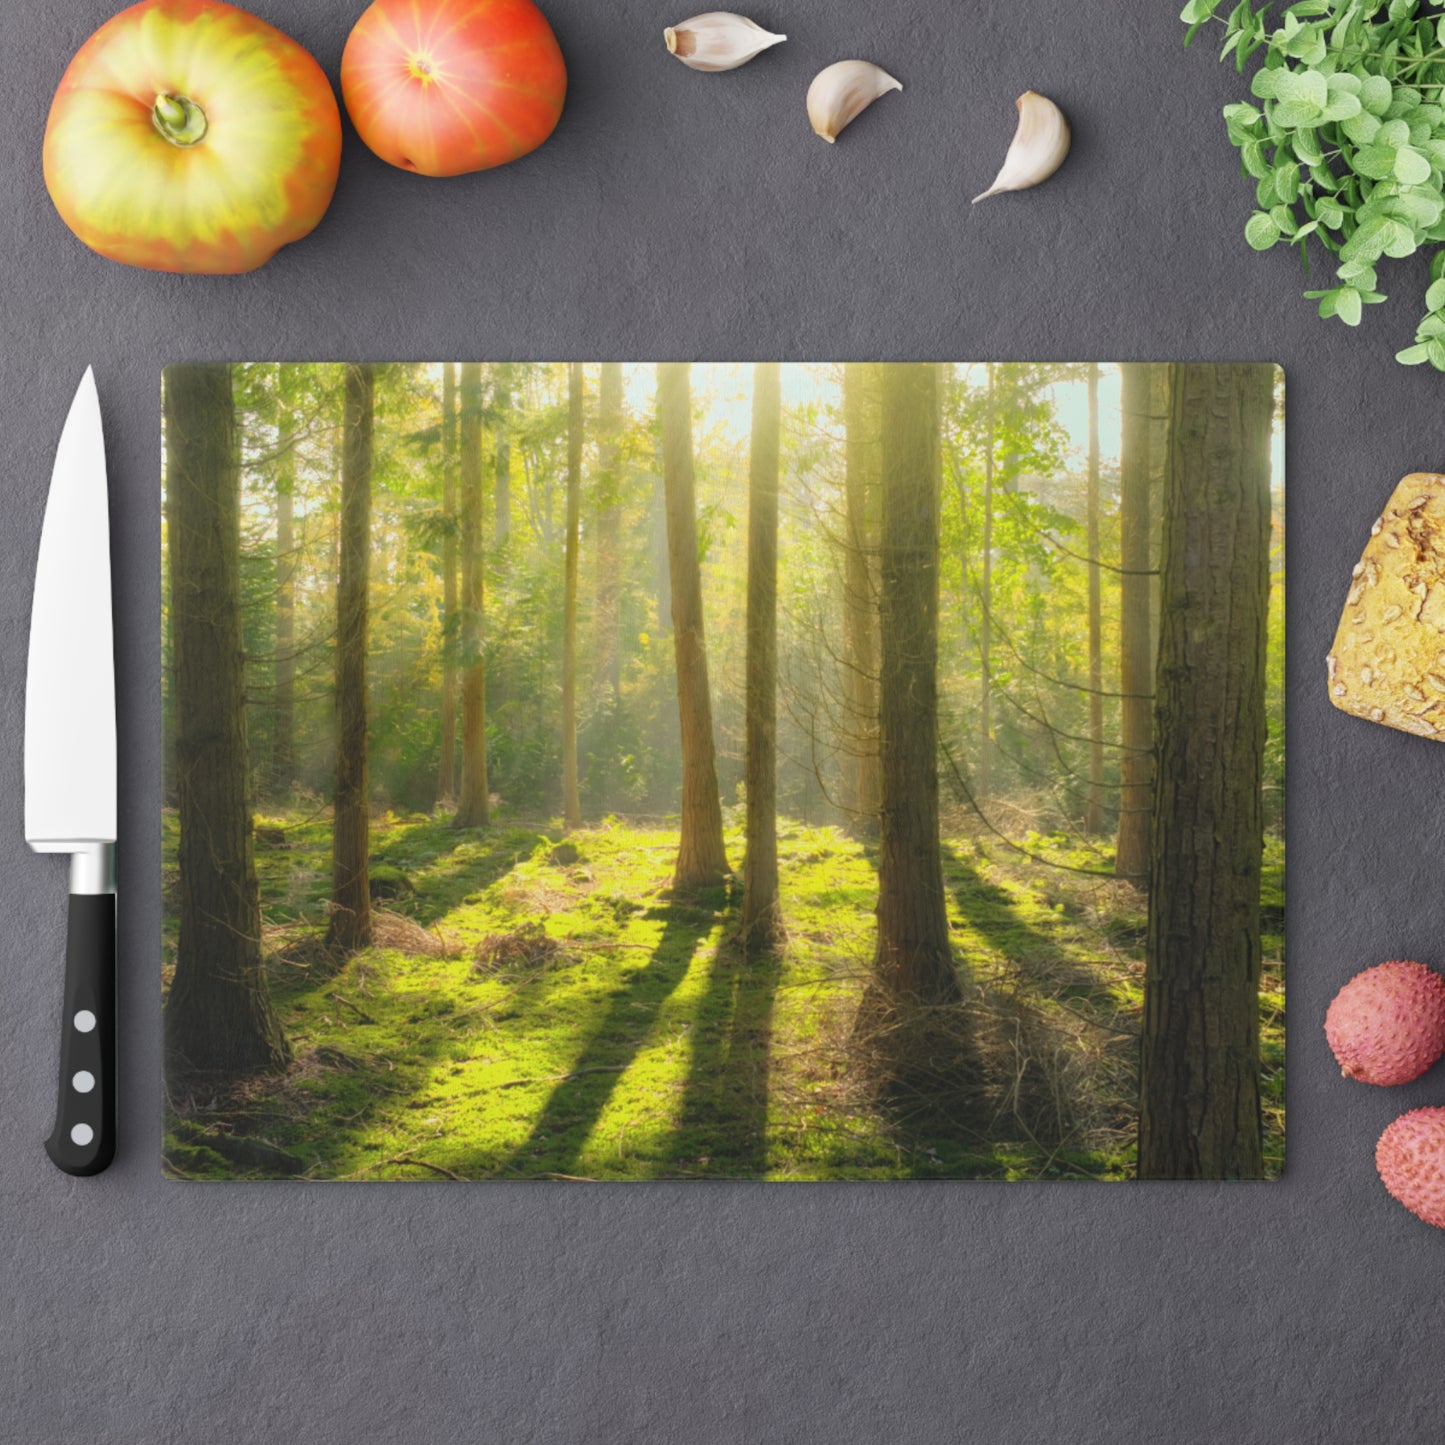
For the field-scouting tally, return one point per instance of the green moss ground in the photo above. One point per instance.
(638, 1044)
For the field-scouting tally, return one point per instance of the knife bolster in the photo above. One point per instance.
(92, 869)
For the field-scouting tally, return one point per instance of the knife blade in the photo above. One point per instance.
(70, 773)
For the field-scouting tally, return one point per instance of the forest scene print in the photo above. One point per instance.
(618, 771)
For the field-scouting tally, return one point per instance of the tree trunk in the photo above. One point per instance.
(701, 857)
(985, 623)
(1094, 813)
(657, 549)
(502, 473)
(607, 652)
(1131, 858)
(446, 769)
(218, 1015)
(571, 805)
(283, 743)
(502, 406)
(762, 921)
(1159, 389)
(913, 961)
(473, 800)
(1199, 1114)
(863, 464)
(350, 926)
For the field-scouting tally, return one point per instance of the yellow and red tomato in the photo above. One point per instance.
(443, 87)
(189, 135)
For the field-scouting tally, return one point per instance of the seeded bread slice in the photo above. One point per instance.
(1388, 661)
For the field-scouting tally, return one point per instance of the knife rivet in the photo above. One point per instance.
(81, 1134)
(83, 1082)
(85, 1021)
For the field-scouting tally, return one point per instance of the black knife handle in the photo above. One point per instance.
(84, 1137)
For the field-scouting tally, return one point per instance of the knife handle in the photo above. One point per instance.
(84, 1138)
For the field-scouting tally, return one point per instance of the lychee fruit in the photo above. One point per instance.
(1411, 1159)
(1387, 1024)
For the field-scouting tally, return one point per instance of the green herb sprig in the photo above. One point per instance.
(1348, 142)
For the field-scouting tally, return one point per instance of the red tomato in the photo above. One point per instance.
(443, 87)
(187, 135)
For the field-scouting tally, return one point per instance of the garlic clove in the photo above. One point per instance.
(1038, 148)
(718, 40)
(842, 92)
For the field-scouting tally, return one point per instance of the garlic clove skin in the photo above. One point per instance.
(718, 40)
(1038, 148)
(842, 92)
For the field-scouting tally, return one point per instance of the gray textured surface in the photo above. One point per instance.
(682, 215)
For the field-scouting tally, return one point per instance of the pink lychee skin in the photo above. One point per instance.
(1387, 1024)
(1411, 1159)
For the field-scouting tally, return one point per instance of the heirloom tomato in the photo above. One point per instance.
(443, 87)
(188, 135)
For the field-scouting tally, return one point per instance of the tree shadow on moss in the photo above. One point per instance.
(561, 1129)
(723, 1128)
(1057, 1057)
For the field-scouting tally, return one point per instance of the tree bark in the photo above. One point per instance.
(863, 464)
(1159, 389)
(571, 804)
(607, 651)
(1094, 812)
(701, 856)
(985, 621)
(350, 926)
(762, 924)
(473, 799)
(913, 962)
(283, 743)
(218, 1015)
(446, 769)
(1131, 858)
(1199, 1112)
(502, 470)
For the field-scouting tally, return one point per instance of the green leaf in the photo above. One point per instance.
(1411, 168)
(1435, 296)
(1376, 161)
(1374, 94)
(1293, 114)
(1349, 307)
(1362, 128)
(1264, 82)
(1413, 355)
(1198, 11)
(1242, 114)
(1303, 85)
(1260, 231)
(1329, 213)
(1403, 100)
(1435, 350)
(1368, 242)
(1251, 153)
(1342, 107)
(1286, 183)
(1400, 241)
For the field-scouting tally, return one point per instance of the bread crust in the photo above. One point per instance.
(1388, 660)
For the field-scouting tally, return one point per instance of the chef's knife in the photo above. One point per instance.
(70, 791)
